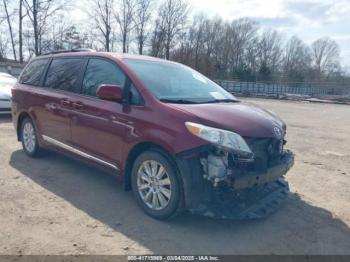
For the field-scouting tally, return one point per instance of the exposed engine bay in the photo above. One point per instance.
(223, 168)
(236, 177)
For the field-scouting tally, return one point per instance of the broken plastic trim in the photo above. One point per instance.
(252, 202)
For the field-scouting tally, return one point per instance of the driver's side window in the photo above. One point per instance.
(99, 72)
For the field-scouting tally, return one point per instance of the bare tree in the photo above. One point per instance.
(61, 35)
(101, 12)
(39, 12)
(297, 60)
(32, 10)
(191, 43)
(3, 46)
(89, 38)
(244, 31)
(270, 54)
(196, 38)
(157, 40)
(214, 29)
(325, 52)
(9, 23)
(142, 18)
(234, 49)
(20, 30)
(124, 17)
(238, 50)
(251, 62)
(173, 16)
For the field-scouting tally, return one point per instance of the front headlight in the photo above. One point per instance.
(221, 138)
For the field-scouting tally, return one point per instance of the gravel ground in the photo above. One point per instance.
(55, 205)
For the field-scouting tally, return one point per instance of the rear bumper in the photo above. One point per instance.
(250, 196)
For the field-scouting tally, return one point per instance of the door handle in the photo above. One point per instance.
(78, 105)
(51, 107)
(65, 102)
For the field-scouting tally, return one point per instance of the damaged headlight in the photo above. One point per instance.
(222, 138)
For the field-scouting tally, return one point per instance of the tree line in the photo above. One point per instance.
(239, 49)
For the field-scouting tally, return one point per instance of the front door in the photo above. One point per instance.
(98, 126)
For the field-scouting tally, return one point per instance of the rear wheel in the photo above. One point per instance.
(29, 138)
(156, 185)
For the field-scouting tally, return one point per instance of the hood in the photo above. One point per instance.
(244, 119)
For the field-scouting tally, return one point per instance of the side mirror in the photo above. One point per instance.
(110, 92)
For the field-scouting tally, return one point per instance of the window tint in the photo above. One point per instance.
(100, 72)
(64, 74)
(33, 72)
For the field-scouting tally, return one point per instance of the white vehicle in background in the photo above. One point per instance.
(6, 83)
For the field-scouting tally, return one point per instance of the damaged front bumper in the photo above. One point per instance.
(248, 196)
(273, 173)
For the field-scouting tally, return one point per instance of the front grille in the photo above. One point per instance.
(266, 152)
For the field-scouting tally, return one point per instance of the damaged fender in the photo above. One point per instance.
(246, 195)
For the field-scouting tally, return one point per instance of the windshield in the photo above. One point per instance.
(171, 82)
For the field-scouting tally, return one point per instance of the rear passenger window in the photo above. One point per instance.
(64, 74)
(99, 72)
(33, 72)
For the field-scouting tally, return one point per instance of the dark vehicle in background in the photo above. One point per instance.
(177, 139)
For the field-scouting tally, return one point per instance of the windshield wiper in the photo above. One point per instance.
(178, 101)
(222, 101)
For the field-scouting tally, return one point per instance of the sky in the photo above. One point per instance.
(308, 19)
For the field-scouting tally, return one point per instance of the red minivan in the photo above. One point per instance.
(176, 138)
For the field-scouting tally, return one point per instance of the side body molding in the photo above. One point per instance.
(78, 152)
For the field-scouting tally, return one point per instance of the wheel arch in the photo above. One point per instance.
(23, 115)
(135, 152)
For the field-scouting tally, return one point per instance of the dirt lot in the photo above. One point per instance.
(55, 205)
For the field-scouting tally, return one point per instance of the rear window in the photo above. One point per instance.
(64, 74)
(33, 72)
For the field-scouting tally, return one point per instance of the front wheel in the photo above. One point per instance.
(156, 185)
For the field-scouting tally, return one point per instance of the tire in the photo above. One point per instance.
(29, 138)
(163, 187)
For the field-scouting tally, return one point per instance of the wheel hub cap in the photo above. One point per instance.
(29, 137)
(154, 184)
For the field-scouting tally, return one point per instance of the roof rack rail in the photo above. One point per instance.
(69, 51)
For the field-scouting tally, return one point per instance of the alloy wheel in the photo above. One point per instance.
(29, 138)
(154, 185)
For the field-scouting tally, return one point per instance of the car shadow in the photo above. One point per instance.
(297, 228)
(5, 118)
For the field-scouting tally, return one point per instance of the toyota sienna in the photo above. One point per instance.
(177, 139)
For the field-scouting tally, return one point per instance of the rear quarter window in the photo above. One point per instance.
(64, 74)
(33, 72)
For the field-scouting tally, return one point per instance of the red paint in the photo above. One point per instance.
(110, 92)
(244, 119)
(109, 130)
